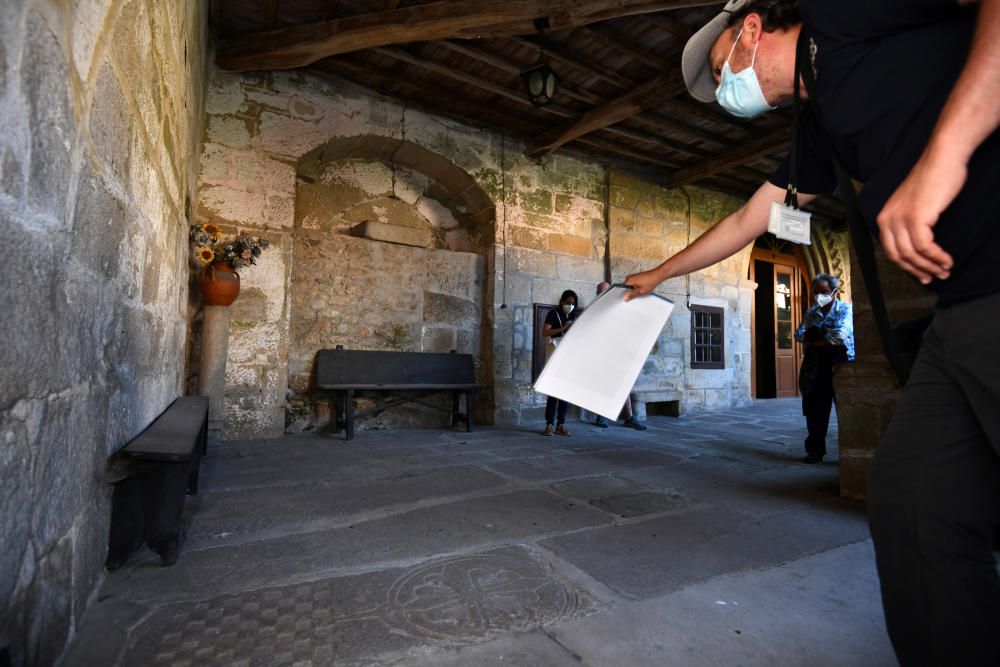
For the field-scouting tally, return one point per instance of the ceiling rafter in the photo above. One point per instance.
(626, 152)
(581, 64)
(270, 14)
(614, 111)
(471, 79)
(771, 142)
(611, 41)
(301, 45)
(577, 94)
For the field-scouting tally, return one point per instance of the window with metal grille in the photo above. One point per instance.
(708, 349)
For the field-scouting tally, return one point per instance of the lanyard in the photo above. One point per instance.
(792, 194)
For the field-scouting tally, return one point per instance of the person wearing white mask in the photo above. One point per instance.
(902, 97)
(557, 323)
(827, 332)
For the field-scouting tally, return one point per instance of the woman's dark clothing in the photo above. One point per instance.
(555, 409)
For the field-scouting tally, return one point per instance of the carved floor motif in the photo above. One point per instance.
(349, 620)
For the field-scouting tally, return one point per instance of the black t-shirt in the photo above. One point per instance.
(557, 319)
(884, 69)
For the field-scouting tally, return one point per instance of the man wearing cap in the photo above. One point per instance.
(909, 96)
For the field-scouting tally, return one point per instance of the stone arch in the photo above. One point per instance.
(450, 186)
(394, 292)
(828, 254)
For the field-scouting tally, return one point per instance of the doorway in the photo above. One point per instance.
(779, 302)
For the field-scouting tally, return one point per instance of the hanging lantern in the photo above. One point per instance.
(542, 83)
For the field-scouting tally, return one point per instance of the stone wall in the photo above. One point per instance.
(307, 160)
(650, 223)
(867, 390)
(99, 131)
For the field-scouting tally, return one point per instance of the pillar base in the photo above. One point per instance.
(212, 370)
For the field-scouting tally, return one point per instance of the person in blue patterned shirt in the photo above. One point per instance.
(827, 332)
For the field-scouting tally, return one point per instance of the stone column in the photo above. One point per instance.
(212, 369)
(867, 390)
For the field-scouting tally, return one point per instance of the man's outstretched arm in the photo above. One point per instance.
(971, 114)
(726, 238)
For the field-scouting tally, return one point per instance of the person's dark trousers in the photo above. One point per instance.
(934, 496)
(817, 403)
(553, 407)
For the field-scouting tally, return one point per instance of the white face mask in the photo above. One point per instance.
(740, 93)
(824, 300)
(568, 308)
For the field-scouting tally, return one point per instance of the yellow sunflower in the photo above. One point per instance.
(212, 231)
(206, 255)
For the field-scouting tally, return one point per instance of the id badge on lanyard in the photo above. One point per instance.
(786, 220)
(789, 223)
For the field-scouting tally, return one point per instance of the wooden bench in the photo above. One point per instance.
(151, 474)
(345, 372)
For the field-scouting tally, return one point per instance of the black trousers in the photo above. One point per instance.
(553, 406)
(817, 402)
(934, 496)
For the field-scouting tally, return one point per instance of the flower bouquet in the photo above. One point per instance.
(220, 283)
(237, 253)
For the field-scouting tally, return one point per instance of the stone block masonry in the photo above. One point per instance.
(100, 110)
(305, 161)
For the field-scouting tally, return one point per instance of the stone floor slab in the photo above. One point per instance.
(421, 533)
(820, 611)
(649, 558)
(372, 552)
(228, 517)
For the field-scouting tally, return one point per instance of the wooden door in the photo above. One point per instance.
(786, 358)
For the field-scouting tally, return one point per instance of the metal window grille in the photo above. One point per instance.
(708, 349)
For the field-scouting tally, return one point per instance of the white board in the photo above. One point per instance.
(599, 359)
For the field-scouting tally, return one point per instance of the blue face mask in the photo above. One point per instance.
(740, 93)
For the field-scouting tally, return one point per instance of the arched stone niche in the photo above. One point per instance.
(389, 253)
(397, 182)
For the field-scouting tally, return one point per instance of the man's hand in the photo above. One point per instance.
(644, 283)
(908, 218)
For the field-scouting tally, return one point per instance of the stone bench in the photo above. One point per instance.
(152, 474)
(345, 372)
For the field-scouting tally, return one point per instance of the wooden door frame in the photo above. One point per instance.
(798, 263)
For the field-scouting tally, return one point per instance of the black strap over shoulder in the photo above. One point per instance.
(861, 237)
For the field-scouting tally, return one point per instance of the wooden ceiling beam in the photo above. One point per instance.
(629, 154)
(556, 53)
(677, 30)
(671, 126)
(270, 14)
(666, 144)
(749, 151)
(499, 63)
(301, 45)
(611, 41)
(492, 59)
(464, 77)
(609, 113)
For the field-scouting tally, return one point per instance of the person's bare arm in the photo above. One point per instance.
(726, 238)
(971, 114)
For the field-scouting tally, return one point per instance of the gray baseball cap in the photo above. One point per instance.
(695, 66)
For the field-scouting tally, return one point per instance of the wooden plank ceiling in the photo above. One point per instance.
(621, 98)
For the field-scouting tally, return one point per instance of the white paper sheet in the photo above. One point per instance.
(600, 357)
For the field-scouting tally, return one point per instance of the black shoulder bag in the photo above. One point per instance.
(861, 237)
